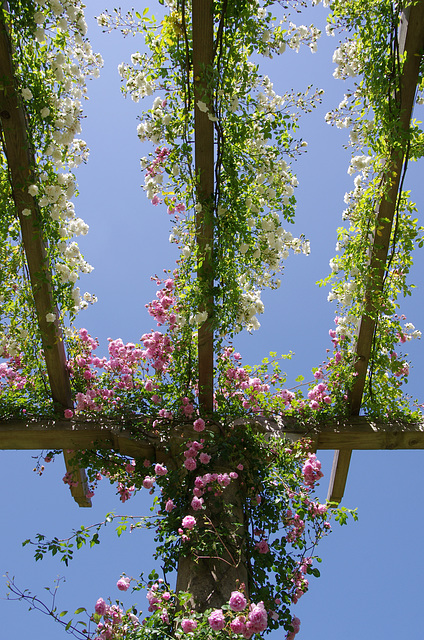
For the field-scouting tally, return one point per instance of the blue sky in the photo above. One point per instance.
(371, 571)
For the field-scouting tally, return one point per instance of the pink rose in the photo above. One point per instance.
(262, 546)
(224, 479)
(205, 458)
(189, 522)
(190, 464)
(148, 482)
(188, 410)
(196, 503)
(188, 625)
(258, 618)
(238, 625)
(100, 607)
(295, 624)
(160, 470)
(169, 506)
(217, 620)
(237, 601)
(199, 425)
(130, 466)
(123, 583)
(68, 413)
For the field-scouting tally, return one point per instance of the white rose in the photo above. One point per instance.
(202, 106)
(26, 93)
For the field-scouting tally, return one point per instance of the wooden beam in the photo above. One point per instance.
(414, 45)
(365, 434)
(21, 163)
(80, 489)
(411, 41)
(202, 16)
(76, 435)
(338, 477)
(131, 440)
(343, 435)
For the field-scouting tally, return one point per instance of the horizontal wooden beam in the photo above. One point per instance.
(365, 434)
(344, 434)
(76, 436)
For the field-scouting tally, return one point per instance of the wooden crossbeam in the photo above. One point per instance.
(21, 162)
(411, 42)
(344, 434)
(76, 435)
(202, 17)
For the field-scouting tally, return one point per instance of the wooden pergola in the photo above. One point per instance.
(343, 435)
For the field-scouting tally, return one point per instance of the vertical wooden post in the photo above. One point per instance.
(210, 580)
(202, 20)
